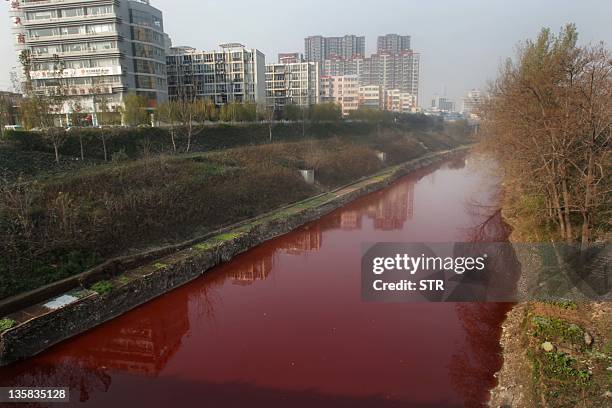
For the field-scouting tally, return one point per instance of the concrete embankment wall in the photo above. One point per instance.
(32, 336)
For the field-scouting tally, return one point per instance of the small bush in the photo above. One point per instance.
(564, 304)
(6, 324)
(124, 280)
(102, 287)
(563, 367)
(556, 329)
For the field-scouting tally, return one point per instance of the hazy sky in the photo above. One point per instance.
(461, 42)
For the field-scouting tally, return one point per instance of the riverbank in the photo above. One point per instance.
(286, 318)
(40, 326)
(556, 353)
(59, 224)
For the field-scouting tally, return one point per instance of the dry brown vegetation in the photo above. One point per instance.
(68, 222)
(549, 123)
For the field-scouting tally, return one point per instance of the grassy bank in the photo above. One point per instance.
(31, 154)
(60, 223)
(556, 354)
(132, 143)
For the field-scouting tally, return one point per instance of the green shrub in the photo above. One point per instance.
(17, 275)
(550, 328)
(6, 324)
(563, 304)
(124, 280)
(102, 287)
(29, 141)
(563, 367)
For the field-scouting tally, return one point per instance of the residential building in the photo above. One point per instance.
(397, 100)
(319, 48)
(339, 66)
(371, 96)
(393, 71)
(292, 83)
(96, 50)
(471, 103)
(393, 44)
(395, 66)
(342, 90)
(351, 46)
(290, 58)
(409, 103)
(231, 74)
(442, 104)
(314, 49)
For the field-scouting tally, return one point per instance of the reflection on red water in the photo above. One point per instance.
(284, 326)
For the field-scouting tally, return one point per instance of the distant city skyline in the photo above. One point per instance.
(461, 43)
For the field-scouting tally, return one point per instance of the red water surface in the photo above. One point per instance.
(284, 324)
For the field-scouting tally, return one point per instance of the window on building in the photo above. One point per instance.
(41, 15)
(77, 47)
(100, 28)
(100, 10)
(103, 45)
(74, 30)
(145, 82)
(43, 32)
(73, 12)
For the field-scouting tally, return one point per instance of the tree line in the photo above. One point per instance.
(548, 122)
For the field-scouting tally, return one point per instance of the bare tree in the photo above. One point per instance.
(42, 107)
(593, 95)
(5, 112)
(168, 113)
(548, 123)
(191, 115)
(269, 114)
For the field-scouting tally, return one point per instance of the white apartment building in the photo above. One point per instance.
(397, 100)
(95, 50)
(371, 96)
(471, 104)
(230, 74)
(342, 90)
(293, 83)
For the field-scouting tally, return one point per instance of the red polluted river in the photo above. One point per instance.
(284, 324)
